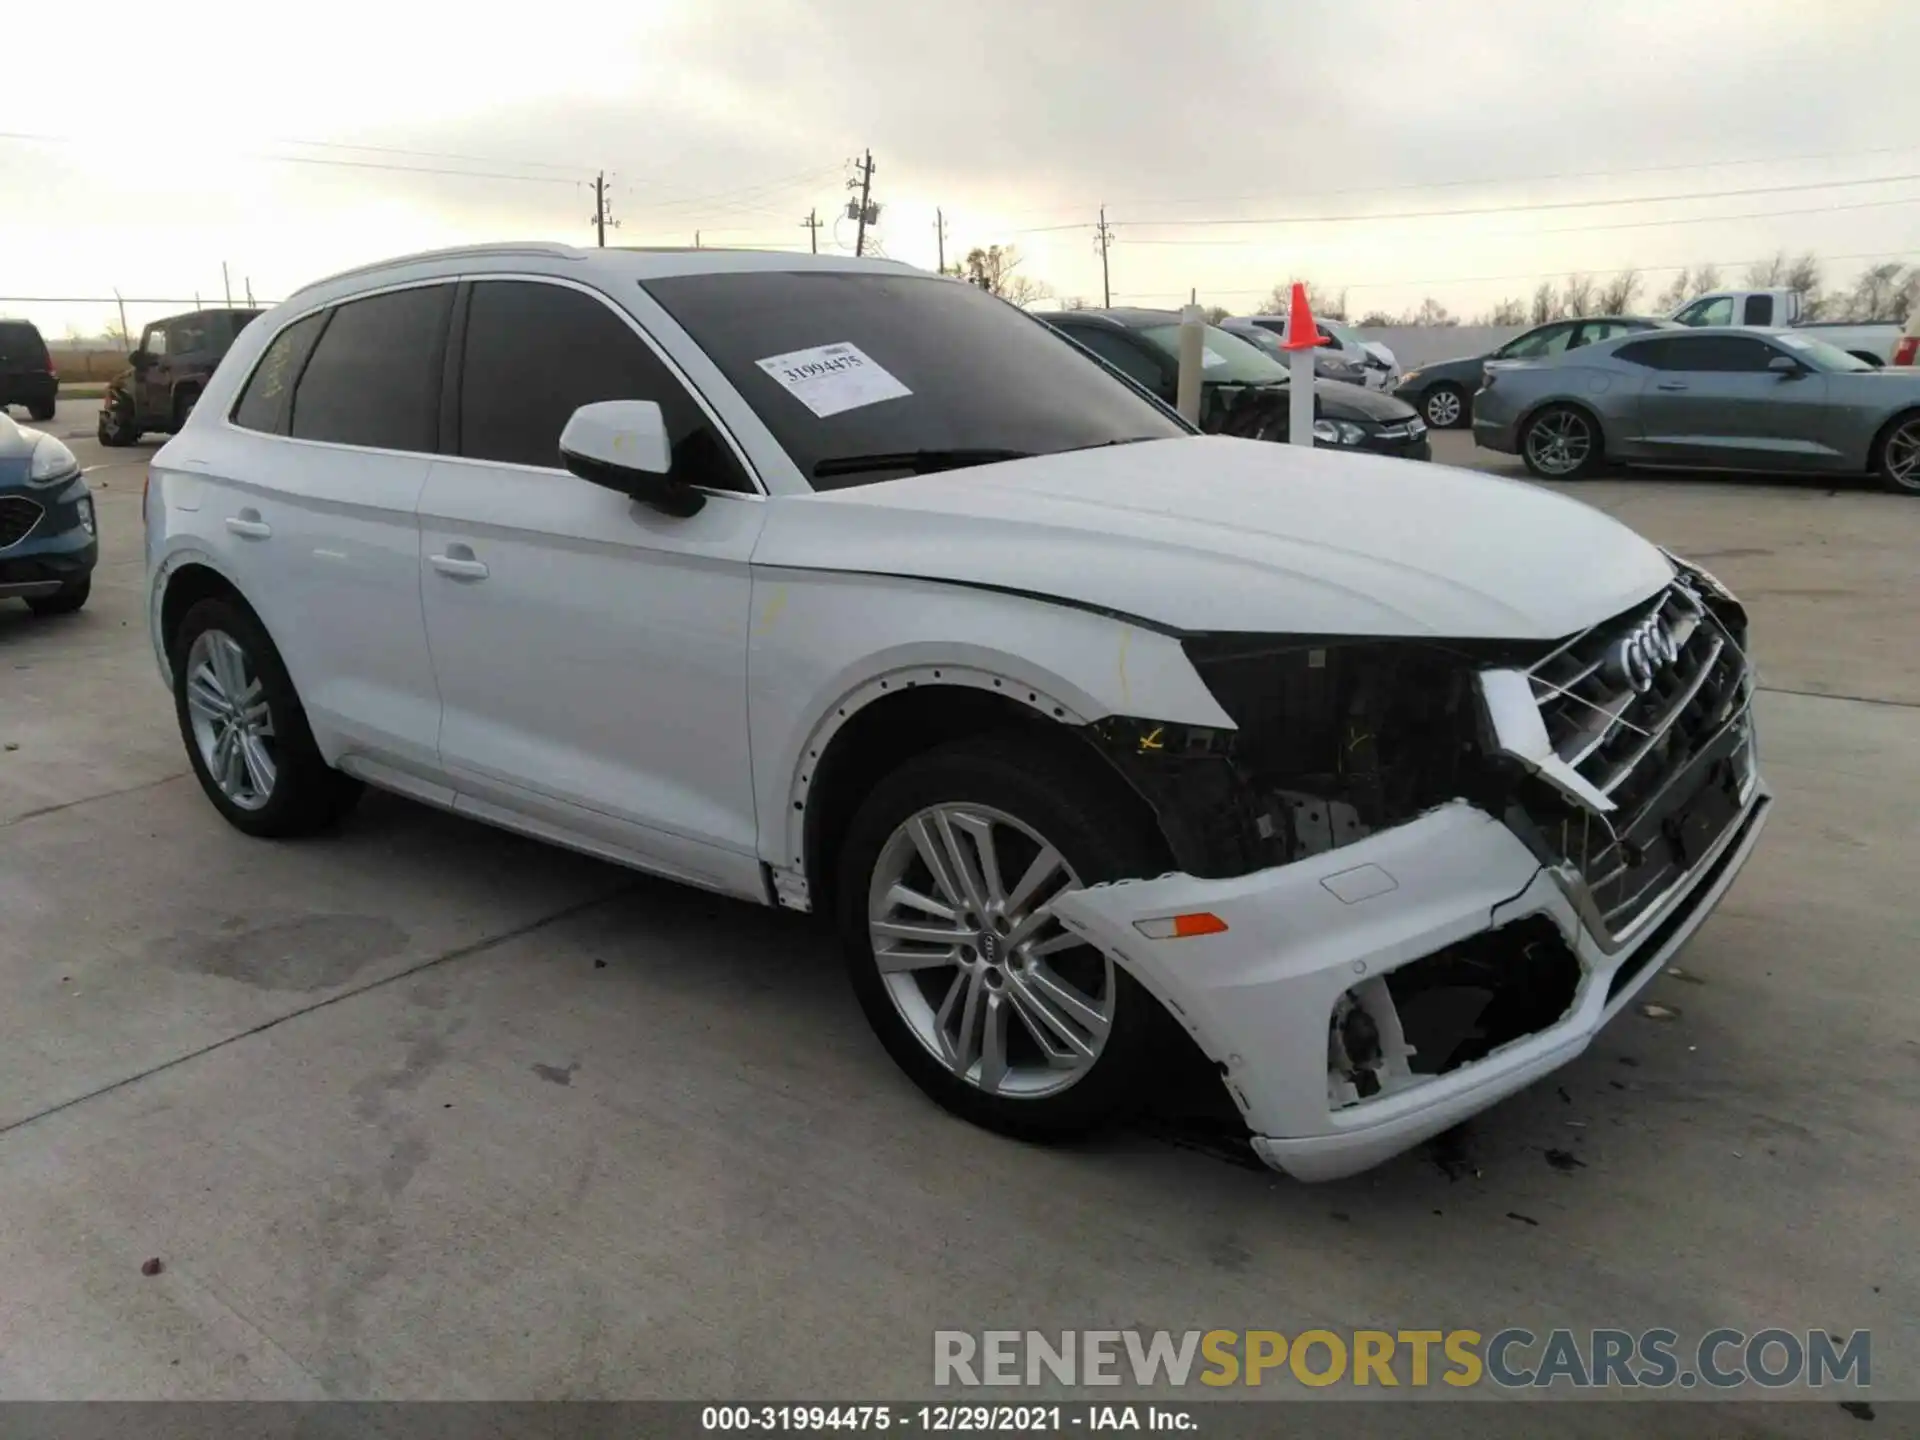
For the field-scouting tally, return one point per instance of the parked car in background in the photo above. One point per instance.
(27, 376)
(1907, 350)
(1329, 361)
(831, 584)
(48, 546)
(1443, 391)
(1727, 398)
(1374, 359)
(167, 373)
(1238, 379)
(1873, 341)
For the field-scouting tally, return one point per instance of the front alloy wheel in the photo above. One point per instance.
(959, 912)
(1560, 444)
(232, 724)
(1444, 406)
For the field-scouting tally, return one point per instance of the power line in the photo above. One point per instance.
(434, 155)
(1538, 204)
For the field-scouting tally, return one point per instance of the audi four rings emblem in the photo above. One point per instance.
(1641, 654)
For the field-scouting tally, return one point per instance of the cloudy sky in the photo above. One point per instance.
(1320, 128)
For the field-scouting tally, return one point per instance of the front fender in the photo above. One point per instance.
(162, 567)
(824, 646)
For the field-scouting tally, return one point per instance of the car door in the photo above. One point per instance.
(1715, 401)
(314, 488)
(590, 650)
(153, 382)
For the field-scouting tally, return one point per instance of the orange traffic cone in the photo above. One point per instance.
(1302, 333)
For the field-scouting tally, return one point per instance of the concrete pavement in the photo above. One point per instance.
(426, 1110)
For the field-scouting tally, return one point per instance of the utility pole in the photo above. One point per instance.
(813, 223)
(226, 284)
(865, 212)
(1103, 241)
(696, 239)
(126, 336)
(940, 237)
(602, 214)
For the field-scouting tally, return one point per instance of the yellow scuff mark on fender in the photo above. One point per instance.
(776, 603)
(1126, 695)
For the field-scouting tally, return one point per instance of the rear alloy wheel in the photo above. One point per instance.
(947, 887)
(1561, 443)
(1900, 457)
(245, 731)
(1445, 407)
(116, 428)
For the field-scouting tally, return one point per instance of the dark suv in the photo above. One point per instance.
(176, 358)
(26, 370)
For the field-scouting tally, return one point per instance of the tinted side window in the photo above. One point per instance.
(188, 337)
(535, 353)
(374, 378)
(263, 404)
(1759, 310)
(1654, 354)
(1120, 353)
(1547, 340)
(1719, 353)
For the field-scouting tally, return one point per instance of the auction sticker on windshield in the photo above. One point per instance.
(830, 378)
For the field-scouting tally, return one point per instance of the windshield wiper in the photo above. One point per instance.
(920, 462)
(1109, 444)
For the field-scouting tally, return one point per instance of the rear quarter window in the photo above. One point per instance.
(264, 403)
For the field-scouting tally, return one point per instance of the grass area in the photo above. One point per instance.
(87, 362)
(90, 391)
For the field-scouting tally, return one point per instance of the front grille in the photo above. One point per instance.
(1650, 709)
(18, 516)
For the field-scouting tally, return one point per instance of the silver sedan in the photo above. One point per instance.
(1711, 398)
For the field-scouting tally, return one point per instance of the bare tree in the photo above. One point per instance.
(1765, 274)
(992, 269)
(1431, 312)
(1677, 293)
(1706, 279)
(1325, 304)
(1878, 293)
(1616, 296)
(1214, 314)
(1546, 304)
(1376, 318)
(1576, 296)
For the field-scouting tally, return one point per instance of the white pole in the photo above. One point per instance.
(1193, 334)
(1300, 402)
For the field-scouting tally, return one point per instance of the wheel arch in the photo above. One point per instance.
(182, 581)
(1561, 402)
(1869, 357)
(1878, 447)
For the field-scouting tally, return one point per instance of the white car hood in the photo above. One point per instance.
(1209, 534)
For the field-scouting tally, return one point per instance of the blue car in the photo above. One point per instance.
(48, 545)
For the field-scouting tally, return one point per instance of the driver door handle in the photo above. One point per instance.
(249, 524)
(459, 563)
(1670, 385)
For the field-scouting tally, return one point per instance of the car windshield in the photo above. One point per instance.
(1821, 355)
(864, 375)
(1225, 358)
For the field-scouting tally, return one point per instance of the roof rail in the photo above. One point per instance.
(525, 247)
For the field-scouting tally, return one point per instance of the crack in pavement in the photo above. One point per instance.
(1835, 695)
(458, 952)
(89, 799)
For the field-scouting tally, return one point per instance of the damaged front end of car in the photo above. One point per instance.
(1442, 860)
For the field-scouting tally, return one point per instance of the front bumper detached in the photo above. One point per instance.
(1326, 999)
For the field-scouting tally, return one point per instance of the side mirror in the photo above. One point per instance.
(138, 359)
(1786, 367)
(623, 445)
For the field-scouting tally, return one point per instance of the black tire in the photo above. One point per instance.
(42, 411)
(1446, 407)
(116, 428)
(307, 795)
(1896, 458)
(64, 601)
(1066, 798)
(1566, 421)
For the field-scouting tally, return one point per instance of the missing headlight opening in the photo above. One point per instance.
(1448, 1009)
(1333, 741)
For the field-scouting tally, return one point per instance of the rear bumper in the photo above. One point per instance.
(29, 389)
(1261, 997)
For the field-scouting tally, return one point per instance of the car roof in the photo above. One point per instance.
(610, 267)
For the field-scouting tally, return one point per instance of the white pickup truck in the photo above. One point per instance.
(1872, 342)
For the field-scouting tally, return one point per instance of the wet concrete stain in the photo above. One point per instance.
(557, 1075)
(1859, 1409)
(1565, 1161)
(1523, 1219)
(304, 953)
(1227, 1253)
(1452, 1153)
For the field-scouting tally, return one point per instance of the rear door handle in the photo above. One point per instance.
(461, 567)
(249, 524)
(1670, 385)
